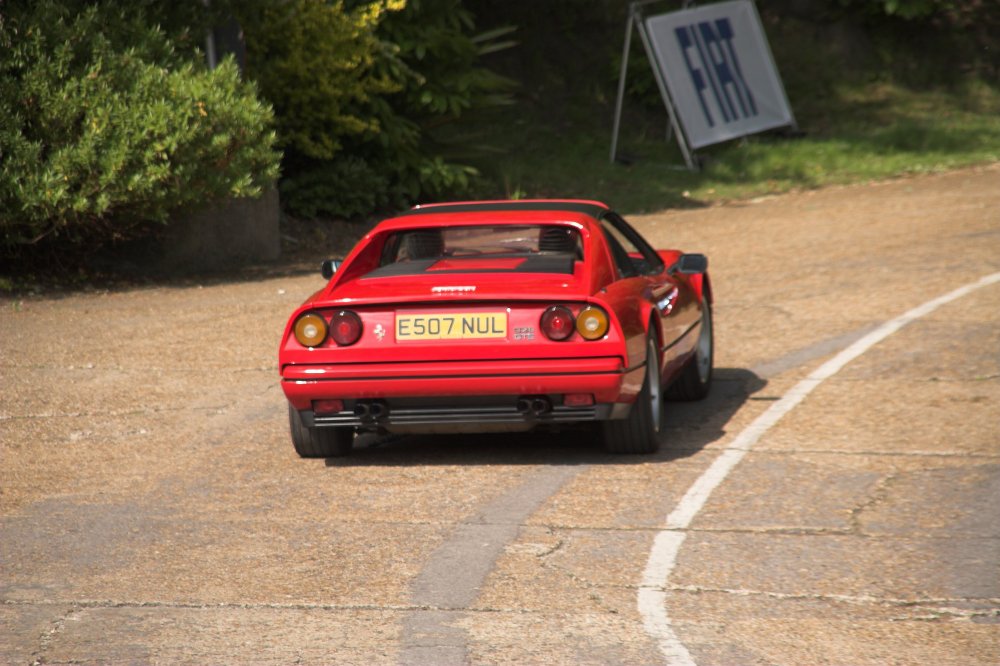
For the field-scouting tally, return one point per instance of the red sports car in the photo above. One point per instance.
(498, 317)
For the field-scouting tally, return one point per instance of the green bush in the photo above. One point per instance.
(315, 62)
(348, 187)
(438, 56)
(104, 128)
(361, 90)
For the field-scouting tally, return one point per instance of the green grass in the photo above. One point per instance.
(864, 133)
(855, 134)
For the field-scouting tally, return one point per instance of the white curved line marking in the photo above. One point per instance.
(663, 556)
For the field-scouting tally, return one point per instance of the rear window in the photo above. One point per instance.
(481, 249)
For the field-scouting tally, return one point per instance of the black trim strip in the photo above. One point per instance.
(681, 337)
(593, 210)
(561, 264)
(500, 414)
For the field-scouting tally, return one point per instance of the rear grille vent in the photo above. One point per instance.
(403, 414)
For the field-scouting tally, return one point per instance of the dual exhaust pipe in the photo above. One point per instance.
(528, 406)
(533, 406)
(370, 411)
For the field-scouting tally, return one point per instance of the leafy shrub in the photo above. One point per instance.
(349, 187)
(438, 56)
(360, 90)
(315, 62)
(105, 128)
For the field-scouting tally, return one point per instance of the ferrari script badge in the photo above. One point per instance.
(379, 332)
(453, 290)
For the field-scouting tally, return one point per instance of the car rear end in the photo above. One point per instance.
(468, 340)
(475, 364)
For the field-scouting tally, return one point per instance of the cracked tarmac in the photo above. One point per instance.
(152, 509)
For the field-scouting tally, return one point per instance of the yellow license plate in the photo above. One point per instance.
(452, 326)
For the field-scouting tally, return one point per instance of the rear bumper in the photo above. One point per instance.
(457, 414)
(463, 392)
(605, 377)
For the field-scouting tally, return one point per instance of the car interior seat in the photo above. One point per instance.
(424, 244)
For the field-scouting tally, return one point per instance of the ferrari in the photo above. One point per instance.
(498, 317)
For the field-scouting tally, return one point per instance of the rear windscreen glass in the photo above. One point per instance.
(481, 249)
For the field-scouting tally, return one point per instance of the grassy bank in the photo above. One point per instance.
(860, 133)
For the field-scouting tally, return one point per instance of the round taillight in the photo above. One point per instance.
(345, 328)
(592, 323)
(310, 330)
(557, 322)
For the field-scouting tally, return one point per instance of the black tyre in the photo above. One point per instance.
(319, 442)
(639, 432)
(695, 379)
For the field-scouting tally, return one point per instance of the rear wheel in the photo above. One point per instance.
(639, 432)
(319, 442)
(696, 378)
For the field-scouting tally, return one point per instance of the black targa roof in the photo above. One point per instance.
(590, 209)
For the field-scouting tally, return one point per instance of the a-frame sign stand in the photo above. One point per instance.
(635, 21)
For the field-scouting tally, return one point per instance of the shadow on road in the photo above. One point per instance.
(689, 427)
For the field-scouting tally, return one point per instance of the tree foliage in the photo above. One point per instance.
(316, 62)
(438, 55)
(360, 89)
(907, 9)
(926, 41)
(105, 127)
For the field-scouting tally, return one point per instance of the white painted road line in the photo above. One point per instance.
(667, 544)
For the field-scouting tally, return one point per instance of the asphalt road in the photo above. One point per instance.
(152, 509)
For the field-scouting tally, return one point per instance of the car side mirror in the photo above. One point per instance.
(690, 264)
(329, 267)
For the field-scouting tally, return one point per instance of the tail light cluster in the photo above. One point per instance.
(345, 328)
(311, 328)
(558, 322)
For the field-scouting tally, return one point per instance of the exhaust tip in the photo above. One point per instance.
(541, 406)
(378, 410)
(533, 406)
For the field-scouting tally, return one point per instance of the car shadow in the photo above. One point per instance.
(689, 427)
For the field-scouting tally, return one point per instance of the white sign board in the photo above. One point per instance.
(718, 68)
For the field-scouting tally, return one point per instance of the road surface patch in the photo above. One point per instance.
(667, 544)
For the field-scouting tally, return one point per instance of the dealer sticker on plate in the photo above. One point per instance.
(451, 326)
